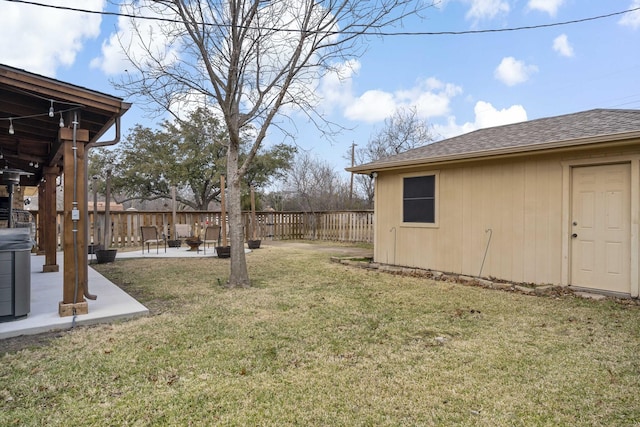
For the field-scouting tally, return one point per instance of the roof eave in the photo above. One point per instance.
(500, 152)
(59, 90)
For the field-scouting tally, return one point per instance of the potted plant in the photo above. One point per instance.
(175, 243)
(105, 255)
(254, 243)
(223, 251)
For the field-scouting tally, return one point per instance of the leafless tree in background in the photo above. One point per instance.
(403, 131)
(313, 185)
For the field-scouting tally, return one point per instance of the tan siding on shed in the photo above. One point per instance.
(386, 227)
(450, 254)
(520, 202)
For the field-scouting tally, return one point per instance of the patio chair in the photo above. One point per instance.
(211, 235)
(150, 237)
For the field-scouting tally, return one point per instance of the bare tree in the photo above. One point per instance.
(313, 185)
(403, 131)
(252, 59)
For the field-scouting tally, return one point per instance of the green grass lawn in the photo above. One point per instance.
(320, 343)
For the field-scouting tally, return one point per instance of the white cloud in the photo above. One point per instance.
(430, 97)
(549, 6)
(371, 106)
(562, 46)
(336, 87)
(631, 19)
(486, 115)
(486, 9)
(512, 71)
(41, 39)
(114, 61)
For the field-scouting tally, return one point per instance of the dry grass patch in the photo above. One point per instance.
(318, 343)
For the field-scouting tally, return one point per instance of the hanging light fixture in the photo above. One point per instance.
(51, 112)
(37, 165)
(11, 131)
(31, 163)
(61, 121)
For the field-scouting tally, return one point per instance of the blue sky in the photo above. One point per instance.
(458, 83)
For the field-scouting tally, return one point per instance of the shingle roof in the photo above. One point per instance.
(519, 137)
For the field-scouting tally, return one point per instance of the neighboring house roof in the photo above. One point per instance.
(588, 127)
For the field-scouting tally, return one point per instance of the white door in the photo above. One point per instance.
(601, 227)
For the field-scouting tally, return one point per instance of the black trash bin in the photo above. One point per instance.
(15, 273)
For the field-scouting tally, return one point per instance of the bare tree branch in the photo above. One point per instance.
(403, 131)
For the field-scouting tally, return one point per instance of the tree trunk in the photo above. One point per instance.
(239, 276)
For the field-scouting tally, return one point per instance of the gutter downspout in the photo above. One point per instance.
(114, 141)
(96, 144)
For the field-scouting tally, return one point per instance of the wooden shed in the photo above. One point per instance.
(547, 201)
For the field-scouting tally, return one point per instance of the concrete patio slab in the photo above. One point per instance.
(46, 292)
(181, 252)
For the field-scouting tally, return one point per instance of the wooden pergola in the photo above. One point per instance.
(46, 129)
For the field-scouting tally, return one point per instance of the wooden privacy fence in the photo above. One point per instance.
(347, 226)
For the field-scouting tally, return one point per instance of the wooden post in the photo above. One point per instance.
(107, 212)
(173, 209)
(48, 209)
(253, 215)
(223, 213)
(95, 234)
(74, 242)
(40, 225)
